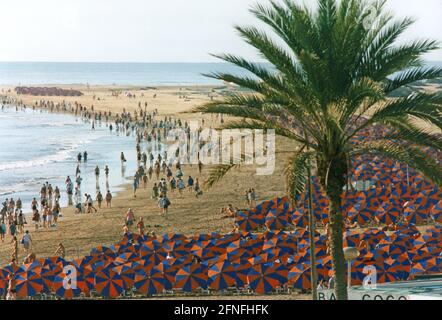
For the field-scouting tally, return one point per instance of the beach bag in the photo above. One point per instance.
(167, 201)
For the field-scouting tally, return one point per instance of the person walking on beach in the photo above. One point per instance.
(200, 167)
(164, 204)
(181, 186)
(145, 181)
(122, 158)
(197, 188)
(90, 203)
(99, 199)
(2, 230)
(130, 217)
(155, 191)
(252, 198)
(21, 220)
(106, 171)
(190, 183)
(79, 156)
(36, 219)
(26, 241)
(140, 226)
(79, 180)
(108, 199)
(56, 212)
(136, 182)
(97, 173)
(85, 156)
(12, 228)
(150, 172)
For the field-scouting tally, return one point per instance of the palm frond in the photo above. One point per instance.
(296, 173)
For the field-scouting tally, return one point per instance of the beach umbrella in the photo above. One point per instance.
(28, 284)
(389, 212)
(235, 251)
(33, 266)
(275, 220)
(65, 288)
(48, 274)
(436, 212)
(415, 214)
(221, 276)
(11, 268)
(242, 269)
(387, 271)
(53, 261)
(204, 249)
(169, 269)
(104, 252)
(153, 252)
(262, 278)
(3, 281)
(191, 277)
(248, 221)
(126, 257)
(409, 229)
(426, 266)
(373, 235)
(108, 283)
(127, 271)
(323, 267)
(300, 218)
(254, 245)
(352, 238)
(152, 282)
(299, 276)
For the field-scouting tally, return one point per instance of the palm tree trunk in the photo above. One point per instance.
(335, 182)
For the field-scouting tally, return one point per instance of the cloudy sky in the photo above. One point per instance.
(151, 30)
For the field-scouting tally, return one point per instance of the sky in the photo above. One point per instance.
(152, 30)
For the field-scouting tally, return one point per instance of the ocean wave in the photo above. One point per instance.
(64, 153)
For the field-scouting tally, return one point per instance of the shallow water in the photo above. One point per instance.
(36, 147)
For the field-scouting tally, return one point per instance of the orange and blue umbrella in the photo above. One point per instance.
(191, 277)
(127, 271)
(263, 278)
(153, 252)
(3, 281)
(221, 275)
(248, 221)
(277, 220)
(152, 282)
(299, 276)
(436, 212)
(28, 283)
(242, 269)
(389, 212)
(108, 283)
(126, 257)
(64, 288)
(300, 218)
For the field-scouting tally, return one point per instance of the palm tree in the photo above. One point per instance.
(333, 72)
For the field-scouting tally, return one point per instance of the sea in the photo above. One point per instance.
(138, 74)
